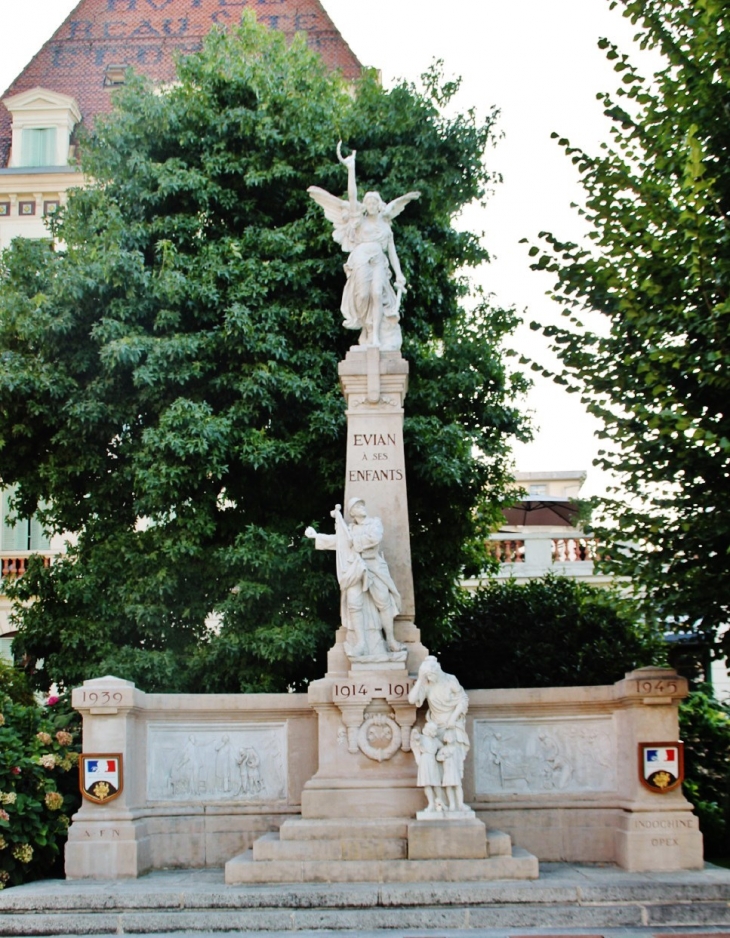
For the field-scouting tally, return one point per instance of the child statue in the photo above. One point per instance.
(426, 747)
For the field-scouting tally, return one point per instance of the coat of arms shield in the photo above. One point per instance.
(100, 776)
(661, 766)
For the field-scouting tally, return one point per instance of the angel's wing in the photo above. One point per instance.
(335, 210)
(416, 744)
(394, 208)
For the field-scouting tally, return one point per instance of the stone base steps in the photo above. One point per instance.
(381, 850)
(246, 868)
(197, 901)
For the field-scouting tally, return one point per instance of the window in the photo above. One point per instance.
(26, 535)
(38, 146)
(538, 490)
(43, 122)
(6, 651)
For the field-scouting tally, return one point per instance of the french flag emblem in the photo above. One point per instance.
(661, 755)
(101, 777)
(108, 766)
(661, 765)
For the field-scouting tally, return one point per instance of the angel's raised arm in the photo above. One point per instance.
(394, 208)
(349, 163)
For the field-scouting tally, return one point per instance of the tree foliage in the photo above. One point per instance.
(650, 357)
(705, 727)
(169, 387)
(553, 632)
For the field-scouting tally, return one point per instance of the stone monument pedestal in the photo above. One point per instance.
(359, 810)
(451, 838)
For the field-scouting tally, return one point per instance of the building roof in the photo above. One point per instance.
(146, 34)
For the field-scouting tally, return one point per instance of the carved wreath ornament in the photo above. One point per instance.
(379, 737)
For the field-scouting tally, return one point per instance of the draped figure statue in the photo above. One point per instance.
(447, 705)
(363, 229)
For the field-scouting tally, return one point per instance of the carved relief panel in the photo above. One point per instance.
(576, 754)
(219, 762)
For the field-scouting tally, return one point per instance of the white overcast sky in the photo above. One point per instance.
(538, 61)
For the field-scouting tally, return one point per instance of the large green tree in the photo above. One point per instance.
(550, 632)
(169, 387)
(647, 341)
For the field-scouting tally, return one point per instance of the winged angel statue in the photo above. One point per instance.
(363, 229)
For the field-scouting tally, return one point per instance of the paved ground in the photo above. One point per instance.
(567, 900)
(641, 932)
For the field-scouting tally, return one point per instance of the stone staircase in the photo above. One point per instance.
(336, 850)
(564, 899)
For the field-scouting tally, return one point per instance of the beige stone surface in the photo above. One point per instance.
(107, 849)
(556, 834)
(243, 869)
(654, 840)
(382, 801)
(347, 849)
(447, 839)
(349, 783)
(342, 828)
(131, 834)
(178, 841)
(333, 787)
(499, 844)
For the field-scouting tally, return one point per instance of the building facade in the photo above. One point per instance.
(73, 76)
(68, 83)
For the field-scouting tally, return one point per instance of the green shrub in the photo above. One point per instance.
(39, 747)
(705, 729)
(551, 632)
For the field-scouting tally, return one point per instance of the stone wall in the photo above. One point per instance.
(558, 769)
(205, 775)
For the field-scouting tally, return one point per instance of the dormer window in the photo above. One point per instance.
(38, 146)
(115, 75)
(42, 125)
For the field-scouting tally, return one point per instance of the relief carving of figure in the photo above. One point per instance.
(369, 598)
(363, 229)
(223, 764)
(249, 765)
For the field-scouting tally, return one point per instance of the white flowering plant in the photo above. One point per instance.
(39, 752)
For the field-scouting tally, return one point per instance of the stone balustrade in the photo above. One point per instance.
(532, 554)
(14, 565)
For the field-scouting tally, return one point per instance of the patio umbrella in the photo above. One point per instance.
(544, 510)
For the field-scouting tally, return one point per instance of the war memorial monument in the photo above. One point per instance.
(387, 770)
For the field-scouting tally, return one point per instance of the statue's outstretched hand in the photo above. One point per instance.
(310, 532)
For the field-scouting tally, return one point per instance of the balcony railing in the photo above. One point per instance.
(15, 565)
(530, 554)
(576, 549)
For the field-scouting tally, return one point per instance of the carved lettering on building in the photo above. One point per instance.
(665, 824)
(375, 475)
